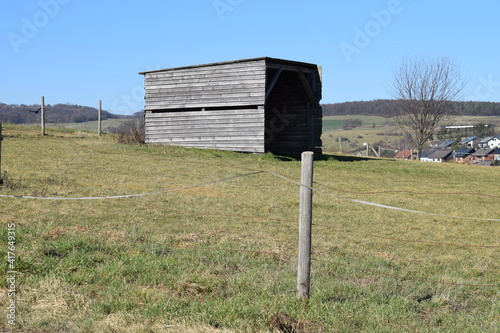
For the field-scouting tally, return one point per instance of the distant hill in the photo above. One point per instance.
(58, 113)
(381, 108)
(71, 113)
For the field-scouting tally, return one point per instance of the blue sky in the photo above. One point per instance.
(80, 51)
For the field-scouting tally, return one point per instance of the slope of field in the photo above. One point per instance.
(379, 131)
(167, 239)
(373, 130)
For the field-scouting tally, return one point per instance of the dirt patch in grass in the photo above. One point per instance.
(285, 323)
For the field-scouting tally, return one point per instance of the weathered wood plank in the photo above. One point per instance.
(212, 68)
(241, 130)
(241, 148)
(169, 76)
(221, 84)
(208, 132)
(214, 112)
(199, 89)
(254, 88)
(206, 86)
(207, 129)
(205, 101)
(228, 96)
(254, 142)
(242, 123)
(163, 106)
(220, 139)
(208, 123)
(195, 115)
(193, 76)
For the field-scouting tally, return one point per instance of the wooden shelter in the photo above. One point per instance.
(251, 105)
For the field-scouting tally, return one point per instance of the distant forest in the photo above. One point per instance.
(58, 113)
(382, 107)
(70, 113)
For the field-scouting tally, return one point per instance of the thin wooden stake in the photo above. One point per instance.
(305, 224)
(99, 118)
(42, 114)
(1, 138)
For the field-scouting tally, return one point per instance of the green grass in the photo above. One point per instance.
(88, 125)
(373, 130)
(222, 257)
(471, 120)
(336, 122)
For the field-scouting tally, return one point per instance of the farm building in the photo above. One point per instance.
(251, 105)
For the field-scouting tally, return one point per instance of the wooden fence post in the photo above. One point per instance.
(1, 138)
(99, 128)
(42, 114)
(305, 224)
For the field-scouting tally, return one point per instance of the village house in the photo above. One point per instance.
(440, 156)
(441, 144)
(424, 155)
(469, 142)
(462, 155)
(482, 155)
(489, 142)
(406, 154)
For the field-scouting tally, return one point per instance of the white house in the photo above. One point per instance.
(440, 156)
(424, 155)
(490, 142)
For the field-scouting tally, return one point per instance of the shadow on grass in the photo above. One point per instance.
(328, 157)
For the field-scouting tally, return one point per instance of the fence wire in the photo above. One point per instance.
(119, 198)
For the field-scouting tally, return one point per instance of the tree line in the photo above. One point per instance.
(383, 107)
(70, 113)
(58, 113)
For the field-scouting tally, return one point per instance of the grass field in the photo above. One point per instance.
(221, 256)
(88, 125)
(376, 129)
(336, 122)
(471, 120)
(373, 130)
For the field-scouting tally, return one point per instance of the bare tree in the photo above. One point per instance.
(424, 88)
